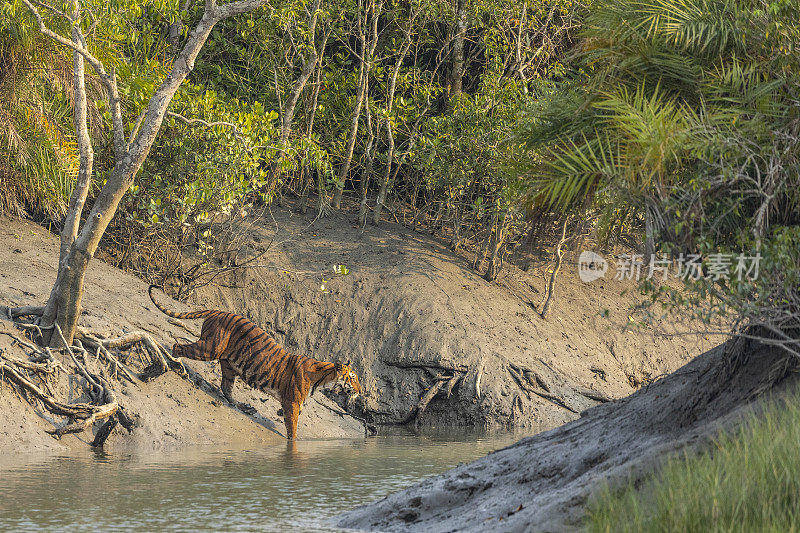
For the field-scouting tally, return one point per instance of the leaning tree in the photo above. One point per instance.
(131, 148)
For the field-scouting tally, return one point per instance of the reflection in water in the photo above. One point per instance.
(300, 485)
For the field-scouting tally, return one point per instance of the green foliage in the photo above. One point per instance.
(38, 156)
(199, 171)
(685, 111)
(459, 151)
(749, 480)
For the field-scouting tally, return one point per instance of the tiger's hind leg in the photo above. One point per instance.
(211, 344)
(228, 379)
(200, 350)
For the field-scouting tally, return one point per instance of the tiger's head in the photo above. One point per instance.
(346, 374)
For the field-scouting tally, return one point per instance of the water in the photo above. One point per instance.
(278, 488)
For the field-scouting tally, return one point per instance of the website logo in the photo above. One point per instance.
(591, 266)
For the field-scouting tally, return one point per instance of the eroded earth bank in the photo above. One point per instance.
(410, 316)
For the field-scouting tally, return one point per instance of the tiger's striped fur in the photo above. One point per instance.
(247, 351)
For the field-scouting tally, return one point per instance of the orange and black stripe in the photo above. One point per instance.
(247, 351)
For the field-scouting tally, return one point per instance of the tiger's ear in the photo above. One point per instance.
(348, 363)
(338, 366)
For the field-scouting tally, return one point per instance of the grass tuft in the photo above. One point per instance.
(749, 480)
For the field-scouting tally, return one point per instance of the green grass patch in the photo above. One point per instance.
(749, 480)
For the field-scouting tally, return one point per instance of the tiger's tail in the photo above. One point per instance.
(173, 314)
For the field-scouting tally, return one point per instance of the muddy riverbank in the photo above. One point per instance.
(409, 315)
(542, 483)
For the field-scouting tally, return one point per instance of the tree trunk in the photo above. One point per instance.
(460, 33)
(175, 29)
(649, 231)
(480, 257)
(322, 195)
(305, 180)
(370, 153)
(290, 105)
(68, 287)
(366, 51)
(86, 163)
(498, 239)
(376, 215)
(307, 175)
(559, 253)
(385, 181)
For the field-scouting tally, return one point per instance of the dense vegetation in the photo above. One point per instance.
(684, 115)
(747, 481)
(492, 122)
(371, 100)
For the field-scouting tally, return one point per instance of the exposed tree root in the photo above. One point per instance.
(81, 415)
(452, 382)
(524, 384)
(26, 310)
(161, 357)
(440, 383)
(532, 382)
(84, 414)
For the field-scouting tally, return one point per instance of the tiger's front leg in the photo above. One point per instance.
(228, 379)
(291, 412)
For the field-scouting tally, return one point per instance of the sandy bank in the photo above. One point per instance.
(168, 411)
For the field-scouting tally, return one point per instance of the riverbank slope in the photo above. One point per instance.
(409, 315)
(543, 483)
(168, 411)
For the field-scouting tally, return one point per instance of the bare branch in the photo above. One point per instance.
(236, 131)
(234, 8)
(136, 127)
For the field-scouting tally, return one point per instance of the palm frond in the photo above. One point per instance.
(572, 172)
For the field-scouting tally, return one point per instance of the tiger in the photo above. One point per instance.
(247, 351)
